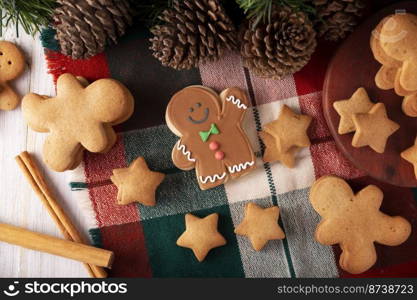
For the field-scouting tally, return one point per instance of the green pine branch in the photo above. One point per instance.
(32, 15)
(261, 10)
(148, 11)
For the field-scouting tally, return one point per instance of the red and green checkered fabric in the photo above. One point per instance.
(144, 238)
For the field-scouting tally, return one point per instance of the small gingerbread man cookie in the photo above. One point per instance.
(12, 65)
(354, 222)
(378, 51)
(398, 88)
(78, 117)
(385, 78)
(211, 136)
(398, 39)
(393, 42)
(409, 105)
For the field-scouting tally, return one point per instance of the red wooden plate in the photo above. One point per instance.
(352, 67)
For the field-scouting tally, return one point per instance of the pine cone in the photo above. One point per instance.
(85, 27)
(192, 32)
(337, 18)
(279, 47)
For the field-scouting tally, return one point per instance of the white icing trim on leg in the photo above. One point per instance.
(240, 167)
(236, 102)
(212, 178)
(184, 151)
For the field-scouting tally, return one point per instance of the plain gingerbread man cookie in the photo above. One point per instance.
(211, 137)
(393, 44)
(78, 117)
(379, 53)
(354, 222)
(12, 65)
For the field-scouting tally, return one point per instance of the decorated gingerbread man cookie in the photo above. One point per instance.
(79, 117)
(12, 65)
(211, 137)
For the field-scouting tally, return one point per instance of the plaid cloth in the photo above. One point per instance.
(144, 238)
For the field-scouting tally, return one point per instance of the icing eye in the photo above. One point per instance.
(1, 53)
(9, 62)
(191, 109)
(198, 104)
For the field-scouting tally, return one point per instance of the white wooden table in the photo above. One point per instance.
(18, 204)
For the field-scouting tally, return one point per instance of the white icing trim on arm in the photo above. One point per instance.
(236, 102)
(213, 178)
(184, 151)
(240, 167)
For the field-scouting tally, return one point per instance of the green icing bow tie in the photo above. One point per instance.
(206, 134)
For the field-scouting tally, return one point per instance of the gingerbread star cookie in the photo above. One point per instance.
(410, 155)
(358, 103)
(284, 137)
(373, 128)
(272, 152)
(260, 225)
(289, 129)
(201, 235)
(136, 183)
(355, 222)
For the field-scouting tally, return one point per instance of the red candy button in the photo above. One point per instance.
(219, 155)
(214, 146)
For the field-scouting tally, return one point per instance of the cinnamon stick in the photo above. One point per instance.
(35, 178)
(45, 243)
